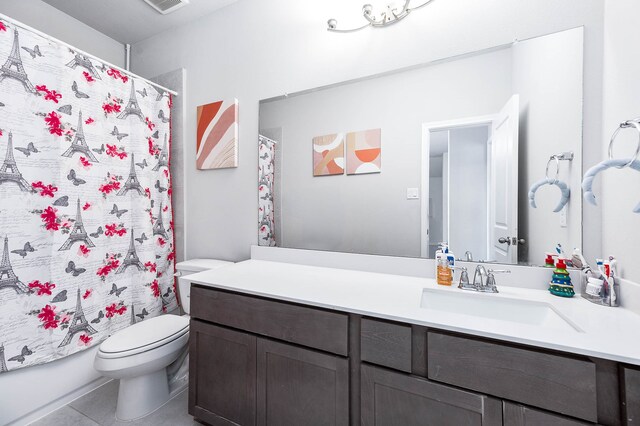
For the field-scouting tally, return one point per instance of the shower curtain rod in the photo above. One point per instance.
(47, 36)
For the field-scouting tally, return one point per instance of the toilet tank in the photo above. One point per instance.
(189, 267)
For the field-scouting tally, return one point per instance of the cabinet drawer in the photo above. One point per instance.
(552, 382)
(315, 328)
(519, 415)
(387, 344)
(392, 398)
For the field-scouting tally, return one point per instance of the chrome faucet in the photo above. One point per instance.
(468, 256)
(483, 280)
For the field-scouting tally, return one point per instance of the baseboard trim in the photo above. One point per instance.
(43, 411)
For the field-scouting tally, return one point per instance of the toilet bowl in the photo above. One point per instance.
(150, 358)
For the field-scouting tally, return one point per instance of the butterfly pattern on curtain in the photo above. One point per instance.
(266, 171)
(86, 225)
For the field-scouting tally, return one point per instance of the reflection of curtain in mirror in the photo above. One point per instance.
(266, 170)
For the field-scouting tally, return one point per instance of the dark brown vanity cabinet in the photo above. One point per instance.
(222, 375)
(259, 361)
(297, 386)
(390, 398)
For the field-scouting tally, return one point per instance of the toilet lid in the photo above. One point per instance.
(147, 334)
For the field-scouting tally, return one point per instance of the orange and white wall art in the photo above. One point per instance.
(363, 152)
(328, 155)
(217, 135)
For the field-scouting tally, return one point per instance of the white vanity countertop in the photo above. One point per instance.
(609, 333)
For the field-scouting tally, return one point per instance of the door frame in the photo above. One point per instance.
(425, 144)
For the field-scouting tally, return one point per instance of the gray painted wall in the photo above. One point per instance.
(254, 50)
(51, 21)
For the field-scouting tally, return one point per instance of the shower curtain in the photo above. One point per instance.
(86, 228)
(266, 213)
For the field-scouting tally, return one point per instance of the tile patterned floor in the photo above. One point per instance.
(98, 408)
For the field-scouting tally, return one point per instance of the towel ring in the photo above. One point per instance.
(625, 125)
(554, 181)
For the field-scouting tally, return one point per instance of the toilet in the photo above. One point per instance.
(150, 358)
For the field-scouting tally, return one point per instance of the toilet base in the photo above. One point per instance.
(142, 395)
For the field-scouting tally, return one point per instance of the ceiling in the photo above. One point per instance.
(130, 21)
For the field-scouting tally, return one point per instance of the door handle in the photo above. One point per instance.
(505, 240)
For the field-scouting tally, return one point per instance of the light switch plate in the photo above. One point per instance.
(563, 217)
(412, 194)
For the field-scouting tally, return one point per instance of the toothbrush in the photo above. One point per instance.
(613, 271)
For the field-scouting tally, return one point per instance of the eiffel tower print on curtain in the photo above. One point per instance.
(8, 278)
(158, 227)
(131, 259)
(84, 61)
(163, 160)
(79, 144)
(132, 108)
(3, 364)
(13, 67)
(78, 233)
(78, 324)
(132, 182)
(9, 170)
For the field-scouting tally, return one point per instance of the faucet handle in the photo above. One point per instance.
(464, 278)
(491, 279)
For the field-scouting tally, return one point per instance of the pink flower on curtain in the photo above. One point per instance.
(2, 27)
(117, 75)
(53, 121)
(113, 309)
(150, 124)
(49, 95)
(114, 151)
(45, 190)
(88, 77)
(87, 294)
(41, 289)
(151, 267)
(112, 229)
(50, 218)
(155, 288)
(48, 317)
(84, 340)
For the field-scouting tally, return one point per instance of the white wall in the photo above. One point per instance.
(547, 74)
(370, 213)
(256, 49)
(621, 188)
(51, 21)
(29, 393)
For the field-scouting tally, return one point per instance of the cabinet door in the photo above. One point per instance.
(222, 375)
(519, 415)
(390, 398)
(299, 386)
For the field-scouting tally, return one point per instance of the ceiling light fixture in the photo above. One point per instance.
(382, 19)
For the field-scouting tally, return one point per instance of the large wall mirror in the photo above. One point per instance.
(480, 151)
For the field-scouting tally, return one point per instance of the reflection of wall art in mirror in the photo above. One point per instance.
(217, 135)
(328, 155)
(363, 152)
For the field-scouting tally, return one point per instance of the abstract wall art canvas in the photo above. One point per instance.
(328, 155)
(363, 152)
(217, 135)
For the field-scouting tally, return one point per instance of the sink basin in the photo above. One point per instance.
(497, 308)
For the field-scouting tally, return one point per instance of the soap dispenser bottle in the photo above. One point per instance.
(444, 266)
